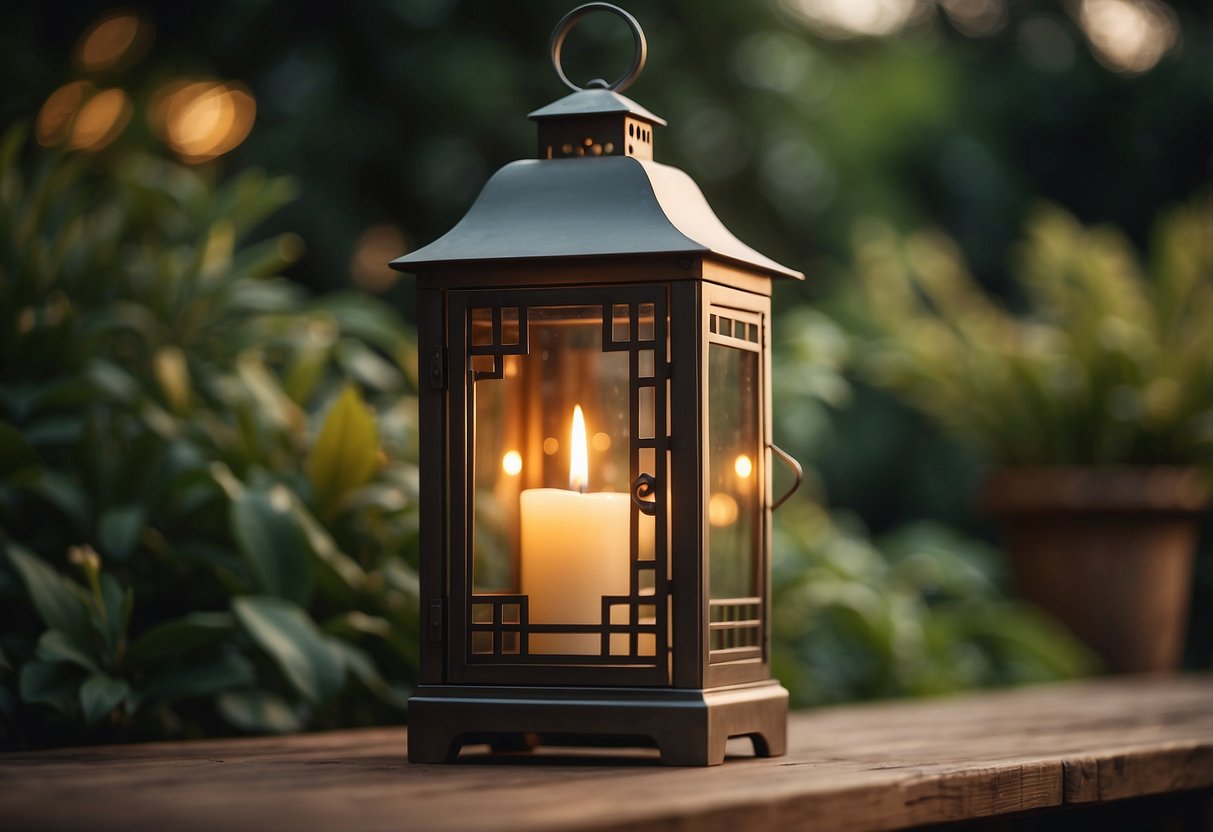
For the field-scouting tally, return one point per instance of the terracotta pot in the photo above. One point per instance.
(1108, 551)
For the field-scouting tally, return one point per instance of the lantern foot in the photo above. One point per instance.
(688, 727)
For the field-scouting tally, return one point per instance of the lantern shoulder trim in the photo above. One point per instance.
(607, 206)
(593, 102)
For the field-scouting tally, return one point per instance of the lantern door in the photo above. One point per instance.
(558, 558)
(735, 464)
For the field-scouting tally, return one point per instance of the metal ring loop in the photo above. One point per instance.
(566, 25)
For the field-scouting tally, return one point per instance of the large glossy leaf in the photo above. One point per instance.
(56, 646)
(100, 694)
(199, 678)
(180, 636)
(59, 601)
(259, 712)
(273, 544)
(118, 530)
(306, 656)
(51, 683)
(344, 455)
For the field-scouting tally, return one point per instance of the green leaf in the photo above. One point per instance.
(66, 494)
(200, 678)
(55, 646)
(118, 530)
(362, 667)
(345, 453)
(49, 683)
(100, 694)
(305, 655)
(112, 621)
(270, 539)
(60, 602)
(16, 454)
(180, 636)
(259, 712)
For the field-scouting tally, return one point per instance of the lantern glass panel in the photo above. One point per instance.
(552, 423)
(733, 470)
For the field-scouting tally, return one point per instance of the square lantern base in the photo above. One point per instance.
(688, 727)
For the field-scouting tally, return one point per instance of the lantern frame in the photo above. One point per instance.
(610, 231)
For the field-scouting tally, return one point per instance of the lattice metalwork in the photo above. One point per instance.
(634, 628)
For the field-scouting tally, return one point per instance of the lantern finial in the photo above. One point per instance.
(596, 120)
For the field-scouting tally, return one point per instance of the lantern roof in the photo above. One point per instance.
(588, 207)
(594, 191)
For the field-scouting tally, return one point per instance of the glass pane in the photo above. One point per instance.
(552, 511)
(733, 494)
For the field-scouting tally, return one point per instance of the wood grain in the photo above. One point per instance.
(863, 767)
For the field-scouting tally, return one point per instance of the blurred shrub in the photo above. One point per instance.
(916, 613)
(206, 525)
(1112, 362)
(922, 610)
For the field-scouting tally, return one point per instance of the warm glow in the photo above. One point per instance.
(551, 445)
(579, 457)
(109, 40)
(369, 265)
(57, 112)
(601, 442)
(203, 119)
(743, 465)
(1129, 35)
(975, 18)
(853, 18)
(100, 120)
(722, 510)
(511, 463)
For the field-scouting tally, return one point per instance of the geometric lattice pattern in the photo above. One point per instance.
(634, 627)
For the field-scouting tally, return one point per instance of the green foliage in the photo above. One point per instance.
(923, 610)
(919, 612)
(1112, 362)
(206, 524)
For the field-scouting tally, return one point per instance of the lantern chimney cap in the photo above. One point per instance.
(594, 102)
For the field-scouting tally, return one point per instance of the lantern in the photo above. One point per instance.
(595, 453)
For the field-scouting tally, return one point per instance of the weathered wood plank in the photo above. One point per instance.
(864, 767)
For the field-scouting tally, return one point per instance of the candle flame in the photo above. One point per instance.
(579, 462)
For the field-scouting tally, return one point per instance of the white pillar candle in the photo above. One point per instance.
(574, 550)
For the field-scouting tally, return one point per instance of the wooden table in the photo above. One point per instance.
(1100, 746)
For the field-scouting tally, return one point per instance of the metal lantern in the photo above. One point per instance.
(595, 449)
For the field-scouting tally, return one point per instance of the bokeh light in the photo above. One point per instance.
(378, 245)
(511, 463)
(743, 466)
(722, 510)
(975, 18)
(201, 120)
(118, 36)
(1127, 36)
(100, 120)
(55, 117)
(856, 18)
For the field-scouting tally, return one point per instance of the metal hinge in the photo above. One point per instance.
(436, 618)
(437, 369)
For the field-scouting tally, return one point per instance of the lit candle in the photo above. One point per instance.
(574, 550)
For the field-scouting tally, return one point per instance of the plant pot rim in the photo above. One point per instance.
(1037, 489)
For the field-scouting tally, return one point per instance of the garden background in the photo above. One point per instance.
(207, 421)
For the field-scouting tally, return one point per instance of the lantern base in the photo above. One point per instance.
(688, 727)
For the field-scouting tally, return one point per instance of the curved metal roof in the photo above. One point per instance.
(602, 206)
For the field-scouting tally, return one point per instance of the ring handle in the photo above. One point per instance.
(566, 25)
(787, 460)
